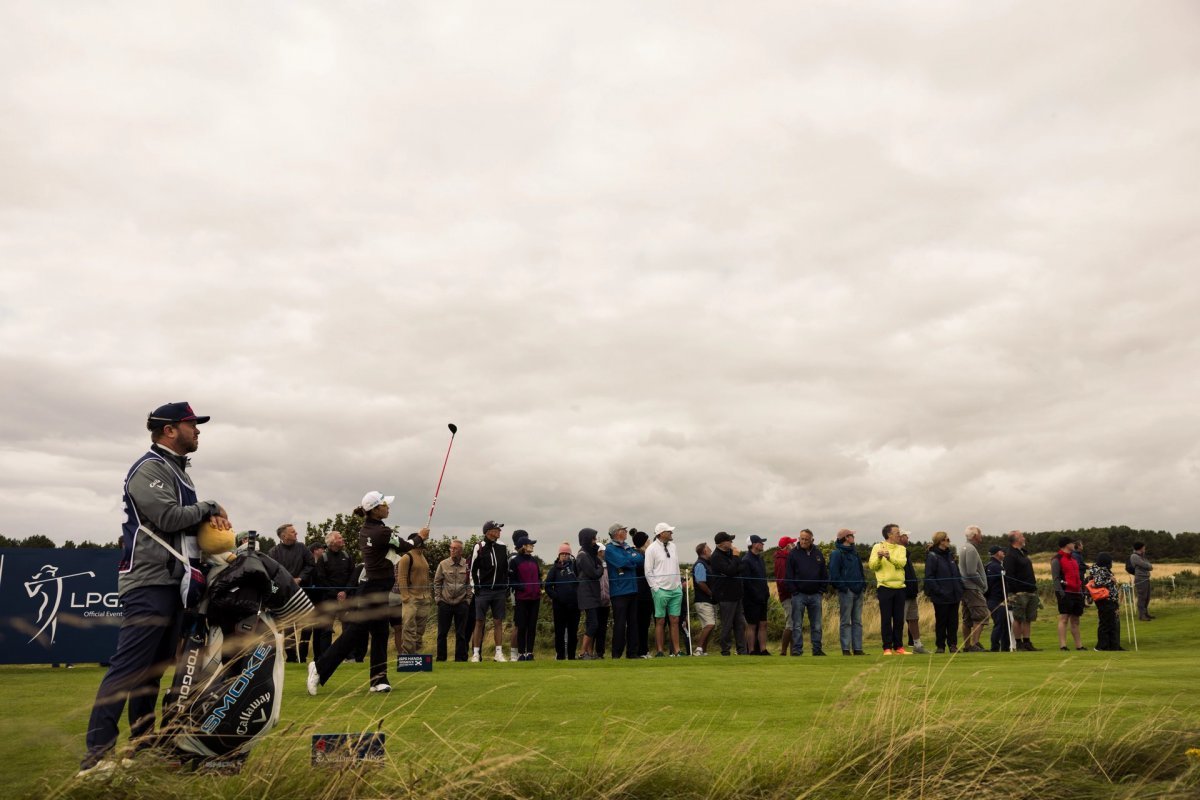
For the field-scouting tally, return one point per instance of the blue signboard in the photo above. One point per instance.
(58, 606)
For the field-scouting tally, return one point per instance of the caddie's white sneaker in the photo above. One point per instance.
(699, 651)
(381, 687)
(314, 679)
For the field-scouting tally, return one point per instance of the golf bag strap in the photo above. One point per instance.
(178, 555)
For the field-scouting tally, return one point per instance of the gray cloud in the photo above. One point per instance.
(746, 270)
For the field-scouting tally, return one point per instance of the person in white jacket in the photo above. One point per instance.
(662, 574)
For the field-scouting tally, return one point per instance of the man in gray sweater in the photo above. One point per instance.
(1141, 580)
(974, 579)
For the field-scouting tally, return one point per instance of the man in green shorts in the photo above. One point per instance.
(662, 574)
(1022, 590)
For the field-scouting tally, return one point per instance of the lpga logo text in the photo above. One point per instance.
(47, 584)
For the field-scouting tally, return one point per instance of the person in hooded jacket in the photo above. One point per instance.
(370, 617)
(589, 562)
(562, 587)
(848, 580)
(1108, 629)
(943, 587)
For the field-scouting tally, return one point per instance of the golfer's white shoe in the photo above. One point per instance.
(314, 679)
(500, 654)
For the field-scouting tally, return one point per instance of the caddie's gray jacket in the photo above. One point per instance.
(154, 488)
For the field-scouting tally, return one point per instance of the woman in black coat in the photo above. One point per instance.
(943, 587)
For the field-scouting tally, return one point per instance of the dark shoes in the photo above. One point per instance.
(845, 652)
(859, 653)
(818, 651)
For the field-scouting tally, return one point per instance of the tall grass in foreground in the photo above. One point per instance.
(877, 738)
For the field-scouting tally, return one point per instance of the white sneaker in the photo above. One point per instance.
(104, 768)
(381, 687)
(474, 658)
(500, 654)
(314, 679)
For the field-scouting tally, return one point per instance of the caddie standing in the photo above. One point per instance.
(162, 513)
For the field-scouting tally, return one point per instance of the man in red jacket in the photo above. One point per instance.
(1068, 589)
(785, 596)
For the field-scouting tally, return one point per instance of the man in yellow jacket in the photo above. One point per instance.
(887, 562)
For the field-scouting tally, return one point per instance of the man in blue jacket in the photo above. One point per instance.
(846, 575)
(623, 560)
(807, 577)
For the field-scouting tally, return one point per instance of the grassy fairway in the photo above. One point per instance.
(1024, 725)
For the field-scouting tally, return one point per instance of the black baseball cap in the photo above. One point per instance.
(173, 413)
(490, 525)
(722, 537)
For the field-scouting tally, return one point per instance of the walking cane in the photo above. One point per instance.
(1132, 616)
(1008, 617)
(687, 596)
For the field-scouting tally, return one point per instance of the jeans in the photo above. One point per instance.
(800, 603)
(850, 607)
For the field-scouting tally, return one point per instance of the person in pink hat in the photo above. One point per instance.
(562, 587)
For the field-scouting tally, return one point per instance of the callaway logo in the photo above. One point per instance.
(49, 584)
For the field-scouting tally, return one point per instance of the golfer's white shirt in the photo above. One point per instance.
(662, 568)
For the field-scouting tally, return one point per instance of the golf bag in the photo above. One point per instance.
(228, 683)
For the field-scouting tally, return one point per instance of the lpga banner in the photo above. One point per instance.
(58, 606)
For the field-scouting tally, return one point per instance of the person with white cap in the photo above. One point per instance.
(376, 542)
(662, 573)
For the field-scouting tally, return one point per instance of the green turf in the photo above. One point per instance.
(741, 725)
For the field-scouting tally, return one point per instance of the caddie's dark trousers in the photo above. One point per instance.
(455, 616)
(368, 618)
(146, 646)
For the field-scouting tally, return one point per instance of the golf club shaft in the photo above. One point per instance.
(433, 505)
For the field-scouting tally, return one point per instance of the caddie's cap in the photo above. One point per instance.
(172, 413)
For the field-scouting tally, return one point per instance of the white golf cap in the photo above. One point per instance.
(662, 527)
(375, 499)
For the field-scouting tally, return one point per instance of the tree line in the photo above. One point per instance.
(1116, 539)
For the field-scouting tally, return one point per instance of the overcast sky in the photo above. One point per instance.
(745, 267)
